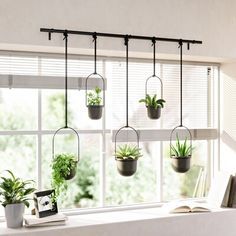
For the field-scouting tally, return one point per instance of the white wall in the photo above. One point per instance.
(228, 117)
(212, 21)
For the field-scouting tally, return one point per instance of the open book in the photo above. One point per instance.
(185, 207)
(190, 208)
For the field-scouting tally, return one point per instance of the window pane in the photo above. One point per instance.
(53, 109)
(18, 154)
(195, 96)
(182, 185)
(83, 190)
(138, 73)
(18, 111)
(141, 187)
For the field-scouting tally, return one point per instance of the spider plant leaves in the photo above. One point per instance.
(181, 149)
(128, 152)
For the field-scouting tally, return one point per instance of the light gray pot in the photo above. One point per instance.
(14, 215)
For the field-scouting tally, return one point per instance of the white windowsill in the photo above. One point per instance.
(148, 222)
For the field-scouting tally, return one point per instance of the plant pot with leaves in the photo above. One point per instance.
(64, 167)
(94, 104)
(14, 197)
(181, 156)
(126, 159)
(154, 106)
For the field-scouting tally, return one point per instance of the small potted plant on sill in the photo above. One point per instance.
(94, 104)
(14, 197)
(154, 106)
(126, 159)
(181, 156)
(63, 168)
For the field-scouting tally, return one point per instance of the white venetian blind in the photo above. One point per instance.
(138, 73)
(195, 95)
(44, 72)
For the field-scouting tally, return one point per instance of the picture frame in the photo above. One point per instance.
(44, 202)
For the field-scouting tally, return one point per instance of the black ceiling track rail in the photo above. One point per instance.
(110, 35)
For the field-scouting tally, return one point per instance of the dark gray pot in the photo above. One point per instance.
(72, 174)
(126, 167)
(181, 164)
(95, 112)
(14, 215)
(153, 113)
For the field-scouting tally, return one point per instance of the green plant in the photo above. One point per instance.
(94, 97)
(14, 190)
(62, 165)
(181, 150)
(128, 152)
(153, 101)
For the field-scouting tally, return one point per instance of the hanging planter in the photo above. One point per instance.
(181, 152)
(127, 155)
(95, 99)
(153, 104)
(64, 165)
(180, 164)
(95, 112)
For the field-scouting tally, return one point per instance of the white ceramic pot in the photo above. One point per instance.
(14, 215)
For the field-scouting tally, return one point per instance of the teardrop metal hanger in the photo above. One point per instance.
(181, 126)
(66, 106)
(127, 127)
(95, 74)
(154, 70)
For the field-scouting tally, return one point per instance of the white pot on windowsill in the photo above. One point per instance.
(14, 215)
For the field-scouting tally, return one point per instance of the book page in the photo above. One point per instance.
(181, 209)
(186, 207)
(200, 209)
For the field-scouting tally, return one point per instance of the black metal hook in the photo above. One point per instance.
(65, 34)
(50, 34)
(94, 36)
(126, 38)
(153, 40)
(180, 43)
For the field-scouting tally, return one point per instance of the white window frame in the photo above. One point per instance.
(210, 134)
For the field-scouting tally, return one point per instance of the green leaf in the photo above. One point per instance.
(62, 165)
(128, 152)
(181, 149)
(14, 190)
(94, 98)
(153, 101)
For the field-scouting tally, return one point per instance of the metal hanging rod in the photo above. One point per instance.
(110, 35)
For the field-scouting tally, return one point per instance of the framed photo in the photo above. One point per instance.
(45, 204)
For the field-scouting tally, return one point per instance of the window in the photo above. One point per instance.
(27, 126)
